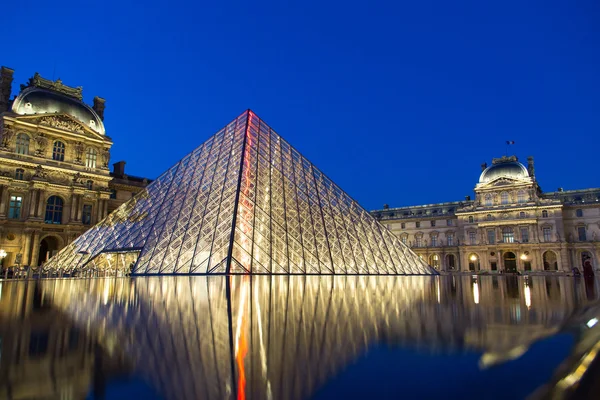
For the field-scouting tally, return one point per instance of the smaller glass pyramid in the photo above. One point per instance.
(243, 202)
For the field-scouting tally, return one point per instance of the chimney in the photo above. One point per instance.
(119, 169)
(530, 168)
(483, 166)
(99, 106)
(6, 78)
(467, 198)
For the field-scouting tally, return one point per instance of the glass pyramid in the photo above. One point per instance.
(243, 202)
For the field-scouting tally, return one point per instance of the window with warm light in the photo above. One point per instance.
(508, 235)
(91, 157)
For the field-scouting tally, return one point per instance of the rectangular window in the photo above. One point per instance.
(547, 234)
(581, 233)
(472, 238)
(14, 209)
(403, 239)
(403, 225)
(524, 235)
(86, 216)
(432, 224)
(450, 239)
(491, 236)
(417, 224)
(449, 222)
(434, 241)
(508, 235)
(418, 241)
(113, 194)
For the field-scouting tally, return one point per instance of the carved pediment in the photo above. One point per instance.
(63, 122)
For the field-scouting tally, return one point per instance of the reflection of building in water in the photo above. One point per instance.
(43, 355)
(282, 337)
(510, 225)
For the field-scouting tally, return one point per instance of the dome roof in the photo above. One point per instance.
(510, 169)
(38, 101)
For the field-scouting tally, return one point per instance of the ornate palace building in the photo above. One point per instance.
(54, 168)
(510, 226)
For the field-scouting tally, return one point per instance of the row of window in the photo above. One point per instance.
(432, 224)
(433, 240)
(58, 150)
(504, 198)
(54, 210)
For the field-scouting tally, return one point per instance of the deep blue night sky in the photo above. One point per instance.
(398, 102)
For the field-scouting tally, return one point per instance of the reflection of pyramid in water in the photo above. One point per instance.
(245, 201)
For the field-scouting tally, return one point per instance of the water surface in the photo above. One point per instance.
(293, 337)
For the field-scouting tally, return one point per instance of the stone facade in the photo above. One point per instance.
(54, 169)
(510, 226)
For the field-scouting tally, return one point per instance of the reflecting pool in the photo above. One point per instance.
(281, 337)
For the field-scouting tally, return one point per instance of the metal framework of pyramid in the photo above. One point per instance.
(245, 201)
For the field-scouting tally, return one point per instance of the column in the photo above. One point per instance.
(73, 208)
(105, 213)
(32, 202)
(41, 203)
(25, 249)
(3, 200)
(99, 210)
(35, 248)
(78, 210)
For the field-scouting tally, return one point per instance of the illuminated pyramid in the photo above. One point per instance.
(245, 201)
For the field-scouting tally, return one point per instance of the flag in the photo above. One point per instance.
(510, 142)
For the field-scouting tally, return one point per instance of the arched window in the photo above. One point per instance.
(89, 184)
(488, 200)
(22, 144)
(58, 151)
(489, 217)
(90, 158)
(19, 173)
(521, 196)
(545, 214)
(579, 212)
(522, 214)
(550, 261)
(54, 210)
(504, 198)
